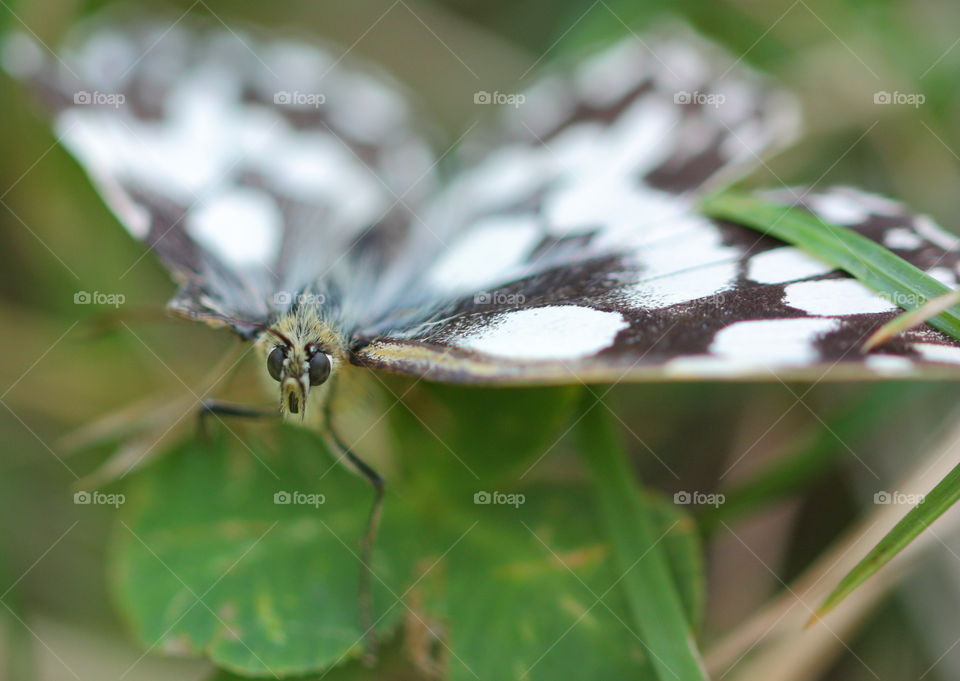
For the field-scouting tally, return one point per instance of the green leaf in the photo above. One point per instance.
(484, 434)
(391, 664)
(861, 257)
(537, 583)
(942, 497)
(532, 579)
(206, 561)
(648, 585)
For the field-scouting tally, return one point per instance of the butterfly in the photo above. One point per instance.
(293, 191)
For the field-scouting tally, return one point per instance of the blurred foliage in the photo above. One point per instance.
(934, 504)
(55, 375)
(207, 560)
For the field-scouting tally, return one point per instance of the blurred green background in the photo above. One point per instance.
(57, 374)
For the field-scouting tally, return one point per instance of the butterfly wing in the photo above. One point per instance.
(261, 170)
(606, 154)
(254, 169)
(720, 301)
(574, 251)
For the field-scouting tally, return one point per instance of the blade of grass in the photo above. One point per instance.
(778, 625)
(888, 274)
(910, 320)
(942, 497)
(863, 258)
(649, 589)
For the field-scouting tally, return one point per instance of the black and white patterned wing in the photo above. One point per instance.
(255, 169)
(591, 160)
(719, 302)
(577, 253)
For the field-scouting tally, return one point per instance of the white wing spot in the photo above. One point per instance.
(241, 227)
(783, 342)
(367, 110)
(698, 244)
(876, 204)
(933, 352)
(702, 367)
(839, 209)
(889, 365)
(929, 229)
(684, 287)
(611, 74)
(780, 265)
(549, 102)
(555, 332)
(944, 275)
(487, 253)
(835, 297)
(901, 237)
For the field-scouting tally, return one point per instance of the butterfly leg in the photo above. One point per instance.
(367, 542)
(217, 408)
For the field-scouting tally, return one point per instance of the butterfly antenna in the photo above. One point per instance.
(367, 542)
(260, 326)
(279, 335)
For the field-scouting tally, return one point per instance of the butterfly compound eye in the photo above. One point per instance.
(275, 362)
(319, 368)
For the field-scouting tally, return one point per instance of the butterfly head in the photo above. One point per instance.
(297, 366)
